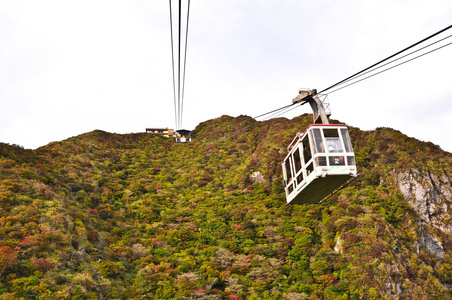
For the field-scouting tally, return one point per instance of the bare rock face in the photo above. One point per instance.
(393, 288)
(432, 244)
(430, 196)
(257, 177)
(338, 247)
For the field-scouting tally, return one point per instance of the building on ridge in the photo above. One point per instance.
(161, 131)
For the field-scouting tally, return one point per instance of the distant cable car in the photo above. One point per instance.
(320, 160)
(183, 136)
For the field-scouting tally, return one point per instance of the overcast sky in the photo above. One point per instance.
(70, 67)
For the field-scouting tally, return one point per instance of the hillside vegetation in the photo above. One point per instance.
(137, 216)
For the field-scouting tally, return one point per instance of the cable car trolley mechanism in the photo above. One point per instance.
(320, 160)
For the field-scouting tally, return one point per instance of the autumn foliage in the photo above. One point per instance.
(8, 258)
(137, 216)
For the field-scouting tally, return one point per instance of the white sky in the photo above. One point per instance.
(69, 67)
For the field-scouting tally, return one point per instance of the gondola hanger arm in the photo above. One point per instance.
(310, 96)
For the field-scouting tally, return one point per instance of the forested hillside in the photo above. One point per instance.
(137, 216)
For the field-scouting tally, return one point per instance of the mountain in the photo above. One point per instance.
(137, 216)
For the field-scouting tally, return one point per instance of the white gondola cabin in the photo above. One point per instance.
(319, 161)
(183, 136)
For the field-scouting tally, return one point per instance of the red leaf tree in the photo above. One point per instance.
(8, 258)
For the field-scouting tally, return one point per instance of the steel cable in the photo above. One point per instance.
(284, 109)
(185, 63)
(387, 69)
(387, 58)
(392, 61)
(172, 62)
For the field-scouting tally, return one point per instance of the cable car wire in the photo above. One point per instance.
(288, 108)
(392, 61)
(273, 111)
(277, 112)
(178, 74)
(178, 60)
(387, 69)
(172, 62)
(387, 58)
(285, 109)
(185, 63)
(274, 115)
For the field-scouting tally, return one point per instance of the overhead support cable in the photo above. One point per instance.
(185, 63)
(387, 58)
(372, 68)
(178, 60)
(179, 71)
(172, 62)
(274, 110)
(387, 69)
(392, 61)
(276, 113)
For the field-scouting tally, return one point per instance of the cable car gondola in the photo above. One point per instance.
(183, 136)
(320, 160)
